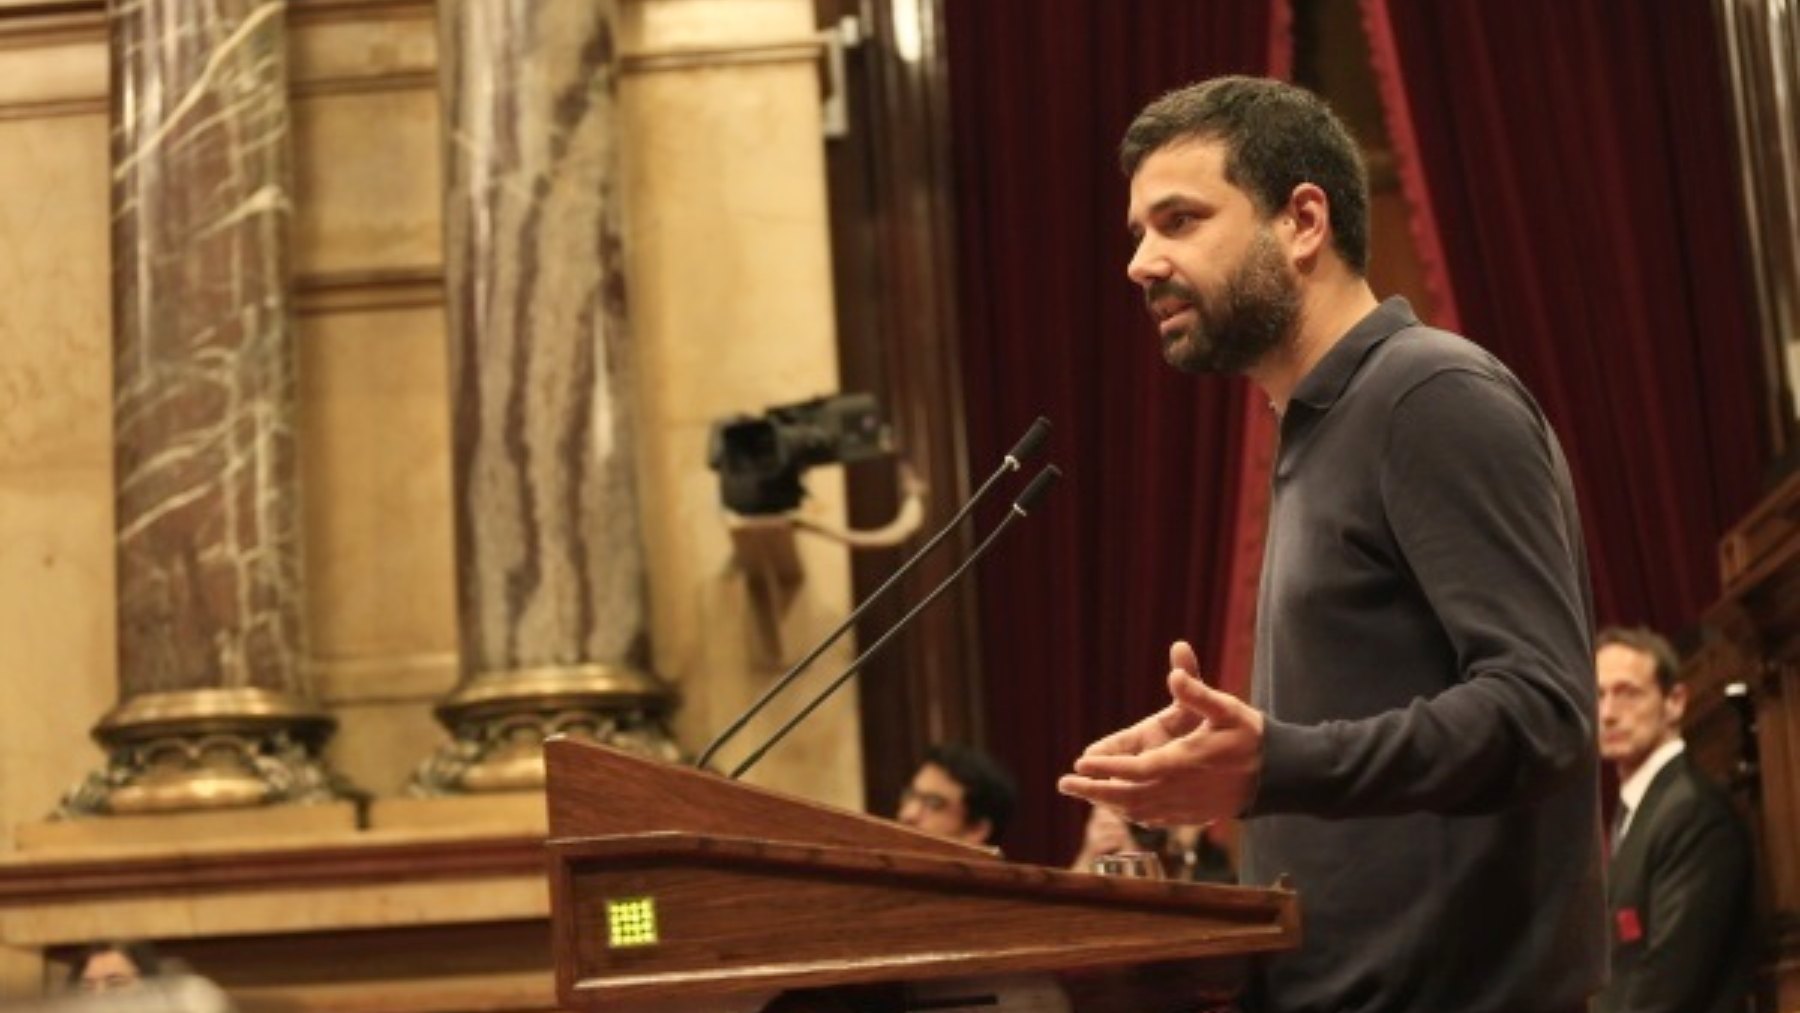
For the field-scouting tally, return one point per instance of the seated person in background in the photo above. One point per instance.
(958, 792)
(1194, 853)
(114, 966)
(131, 977)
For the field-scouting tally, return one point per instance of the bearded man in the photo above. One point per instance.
(1418, 751)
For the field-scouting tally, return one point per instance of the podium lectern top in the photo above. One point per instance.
(673, 885)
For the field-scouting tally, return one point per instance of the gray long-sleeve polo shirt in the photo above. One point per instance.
(1424, 662)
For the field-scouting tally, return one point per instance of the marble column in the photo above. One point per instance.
(550, 561)
(214, 710)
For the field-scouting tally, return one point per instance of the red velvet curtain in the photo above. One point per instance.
(1578, 162)
(1138, 546)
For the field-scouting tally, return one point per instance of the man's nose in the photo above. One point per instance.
(1148, 264)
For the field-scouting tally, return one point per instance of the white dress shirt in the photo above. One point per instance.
(1631, 793)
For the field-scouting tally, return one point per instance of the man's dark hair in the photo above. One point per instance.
(142, 955)
(988, 790)
(1647, 641)
(1276, 137)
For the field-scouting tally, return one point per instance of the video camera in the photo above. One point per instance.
(759, 460)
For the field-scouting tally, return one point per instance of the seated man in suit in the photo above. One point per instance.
(958, 792)
(1678, 889)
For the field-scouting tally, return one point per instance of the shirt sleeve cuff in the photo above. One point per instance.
(1290, 753)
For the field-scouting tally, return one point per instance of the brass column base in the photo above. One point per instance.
(499, 721)
(206, 749)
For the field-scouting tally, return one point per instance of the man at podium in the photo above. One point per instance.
(1418, 751)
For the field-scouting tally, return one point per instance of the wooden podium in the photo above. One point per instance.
(677, 889)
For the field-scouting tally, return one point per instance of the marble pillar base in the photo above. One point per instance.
(207, 749)
(499, 721)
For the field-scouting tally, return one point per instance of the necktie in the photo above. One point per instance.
(1620, 815)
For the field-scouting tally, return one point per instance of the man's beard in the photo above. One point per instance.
(1234, 328)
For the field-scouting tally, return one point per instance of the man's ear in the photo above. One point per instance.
(978, 832)
(1309, 211)
(1675, 704)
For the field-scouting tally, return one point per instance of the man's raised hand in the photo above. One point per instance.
(1195, 760)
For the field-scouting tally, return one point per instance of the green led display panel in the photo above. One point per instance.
(631, 921)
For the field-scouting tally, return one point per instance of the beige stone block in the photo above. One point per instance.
(55, 335)
(707, 643)
(388, 678)
(285, 825)
(56, 564)
(366, 181)
(821, 759)
(732, 312)
(499, 812)
(57, 633)
(379, 745)
(381, 47)
(652, 25)
(59, 72)
(730, 257)
(375, 459)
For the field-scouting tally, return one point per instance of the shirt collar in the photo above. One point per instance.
(1323, 384)
(1632, 791)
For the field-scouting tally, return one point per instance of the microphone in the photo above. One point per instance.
(1021, 508)
(1024, 450)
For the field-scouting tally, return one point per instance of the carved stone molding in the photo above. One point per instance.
(376, 289)
(115, 878)
(52, 23)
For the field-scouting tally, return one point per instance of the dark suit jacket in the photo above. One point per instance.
(1678, 898)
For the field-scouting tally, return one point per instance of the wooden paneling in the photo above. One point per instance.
(1752, 637)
